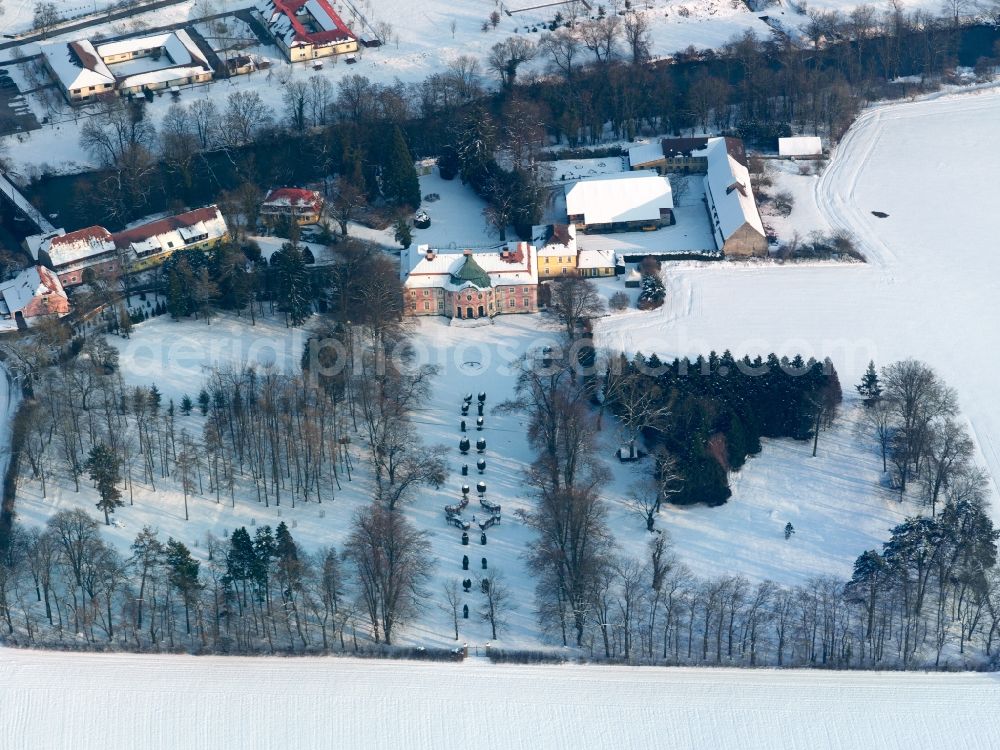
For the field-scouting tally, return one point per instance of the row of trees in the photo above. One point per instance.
(931, 597)
(141, 162)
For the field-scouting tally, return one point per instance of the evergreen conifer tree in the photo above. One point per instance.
(400, 184)
(292, 279)
(203, 402)
(870, 388)
(403, 235)
(183, 574)
(102, 464)
(186, 405)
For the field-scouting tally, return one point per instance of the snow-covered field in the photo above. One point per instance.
(929, 286)
(121, 702)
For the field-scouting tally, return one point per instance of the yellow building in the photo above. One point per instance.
(557, 252)
(149, 245)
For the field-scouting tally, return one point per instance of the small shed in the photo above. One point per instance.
(800, 147)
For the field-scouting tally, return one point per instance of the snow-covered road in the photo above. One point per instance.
(118, 702)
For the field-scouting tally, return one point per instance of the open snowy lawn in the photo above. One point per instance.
(928, 290)
(177, 356)
(72, 701)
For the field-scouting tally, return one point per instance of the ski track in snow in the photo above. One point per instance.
(112, 702)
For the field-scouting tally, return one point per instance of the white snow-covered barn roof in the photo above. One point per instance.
(730, 197)
(77, 65)
(645, 153)
(629, 196)
(801, 145)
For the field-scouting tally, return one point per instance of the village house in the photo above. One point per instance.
(301, 206)
(559, 255)
(95, 250)
(732, 208)
(84, 71)
(557, 250)
(33, 294)
(306, 29)
(469, 285)
(629, 201)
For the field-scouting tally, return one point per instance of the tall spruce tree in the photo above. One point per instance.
(870, 388)
(399, 175)
(102, 463)
(292, 282)
(183, 575)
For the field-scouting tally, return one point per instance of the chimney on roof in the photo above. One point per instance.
(467, 251)
(429, 254)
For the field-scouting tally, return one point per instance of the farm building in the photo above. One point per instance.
(684, 155)
(306, 29)
(128, 66)
(801, 147)
(139, 248)
(33, 294)
(303, 206)
(732, 207)
(620, 202)
(469, 285)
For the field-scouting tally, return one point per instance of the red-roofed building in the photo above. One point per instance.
(306, 29)
(33, 294)
(303, 206)
(139, 248)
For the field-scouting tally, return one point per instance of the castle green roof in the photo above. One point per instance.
(472, 273)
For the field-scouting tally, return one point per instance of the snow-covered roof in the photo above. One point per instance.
(297, 199)
(629, 196)
(645, 153)
(730, 196)
(178, 45)
(422, 267)
(74, 247)
(596, 259)
(163, 75)
(291, 21)
(77, 65)
(554, 240)
(35, 282)
(170, 233)
(800, 145)
(183, 58)
(173, 232)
